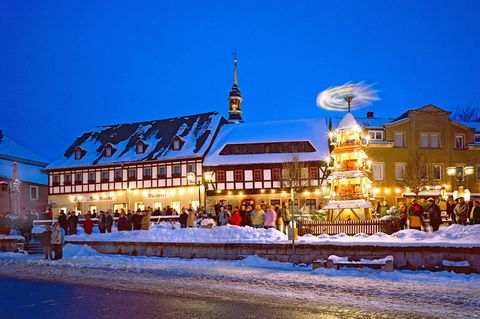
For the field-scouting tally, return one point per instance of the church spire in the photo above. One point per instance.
(235, 97)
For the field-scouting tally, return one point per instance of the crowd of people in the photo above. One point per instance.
(422, 215)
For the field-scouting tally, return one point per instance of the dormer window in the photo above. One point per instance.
(78, 153)
(177, 143)
(108, 150)
(141, 147)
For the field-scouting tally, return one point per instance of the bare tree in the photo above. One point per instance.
(295, 173)
(415, 175)
(467, 113)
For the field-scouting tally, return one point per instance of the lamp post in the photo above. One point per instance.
(460, 173)
(192, 178)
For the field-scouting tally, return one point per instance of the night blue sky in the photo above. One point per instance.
(67, 66)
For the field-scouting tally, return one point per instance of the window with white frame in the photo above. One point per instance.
(399, 171)
(476, 138)
(459, 141)
(378, 171)
(376, 135)
(34, 192)
(399, 139)
(423, 172)
(191, 168)
(176, 171)
(430, 140)
(437, 172)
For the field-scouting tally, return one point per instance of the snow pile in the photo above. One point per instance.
(449, 263)
(70, 250)
(452, 236)
(166, 233)
(11, 237)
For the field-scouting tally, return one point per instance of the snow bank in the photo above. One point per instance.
(166, 233)
(453, 236)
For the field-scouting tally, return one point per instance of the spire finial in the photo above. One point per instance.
(235, 82)
(348, 99)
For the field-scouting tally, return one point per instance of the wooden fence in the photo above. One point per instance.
(348, 227)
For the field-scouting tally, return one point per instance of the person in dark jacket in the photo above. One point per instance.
(434, 214)
(183, 218)
(122, 223)
(72, 223)
(129, 220)
(108, 222)
(45, 239)
(62, 221)
(137, 220)
(461, 211)
(102, 219)
(475, 213)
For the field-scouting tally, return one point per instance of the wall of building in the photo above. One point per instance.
(446, 155)
(26, 202)
(129, 199)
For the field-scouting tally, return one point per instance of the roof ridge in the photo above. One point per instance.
(150, 121)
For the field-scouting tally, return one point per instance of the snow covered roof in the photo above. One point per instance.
(347, 204)
(364, 122)
(26, 172)
(9, 149)
(196, 133)
(312, 130)
(348, 122)
(474, 125)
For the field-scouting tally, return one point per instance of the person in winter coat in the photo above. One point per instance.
(236, 218)
(146, 220)
(183, 219)
(108, 222)
(72, 222)
(475, 213)
(45, 239)
(461, 211)
(122, 222)
(434, 214)
(248, 216)
(57, 240)
(403, 216)
(223, 217)
(137, 220)
(270, 217)
(280, 221)
(62, 220)
(243, 212)
(415, 213)
(88, 224)
(129, 220)
(191, 218)
(257, 216)
(450, 207)
(102, 219)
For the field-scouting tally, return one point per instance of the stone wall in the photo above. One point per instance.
(11, 244)
(405, 257)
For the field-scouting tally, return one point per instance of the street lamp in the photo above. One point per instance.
(192, 178)
(460, 174)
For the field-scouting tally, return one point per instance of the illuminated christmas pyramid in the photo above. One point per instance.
(350, 184)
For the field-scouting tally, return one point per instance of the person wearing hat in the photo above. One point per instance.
(415, 215)
(434, 214)
(461, 211)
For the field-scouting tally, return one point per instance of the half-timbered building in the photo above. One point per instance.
(134, 166)
(254, 162)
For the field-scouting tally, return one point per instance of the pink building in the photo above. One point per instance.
(33, 195)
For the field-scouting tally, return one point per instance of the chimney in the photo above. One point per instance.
(370, 115)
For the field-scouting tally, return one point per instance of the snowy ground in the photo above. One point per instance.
(453, 236)
(407, 294)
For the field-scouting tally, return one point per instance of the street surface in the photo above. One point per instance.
(106, 286)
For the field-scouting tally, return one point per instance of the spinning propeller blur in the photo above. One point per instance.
(335, 98)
